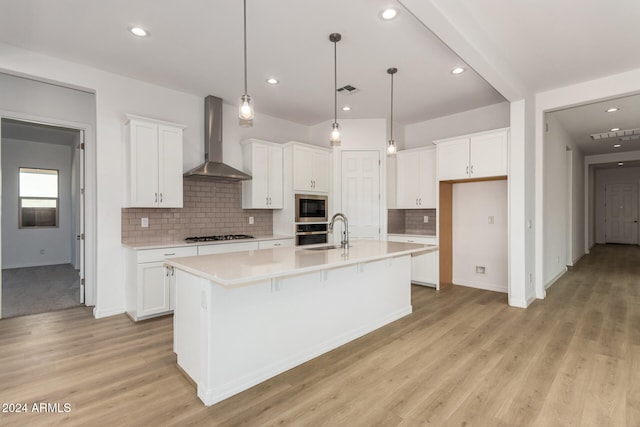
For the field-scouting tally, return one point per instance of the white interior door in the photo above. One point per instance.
(361, 193)
(621, 213)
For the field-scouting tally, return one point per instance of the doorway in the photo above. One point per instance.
(361, 193)
(42, 217)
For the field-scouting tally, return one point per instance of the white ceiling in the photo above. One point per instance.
(196, 47)
(35, 132)
(582, 121)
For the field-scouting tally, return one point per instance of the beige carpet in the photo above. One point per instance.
(40, 289)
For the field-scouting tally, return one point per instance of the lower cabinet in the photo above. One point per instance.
(150, 286)
(424, 268)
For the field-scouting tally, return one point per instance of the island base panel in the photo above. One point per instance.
(230, 339)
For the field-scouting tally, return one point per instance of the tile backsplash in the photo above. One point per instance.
(210, 207)
(411, 221)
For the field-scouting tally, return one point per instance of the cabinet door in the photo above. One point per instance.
(302, 169)
(170, 167)
(453, 159)
(320, 175)
(260, 157)
(427, 190)
(153, 289)
(489, 154)
(408, 178)
(275, 178)
(143, 167)
(423, 268)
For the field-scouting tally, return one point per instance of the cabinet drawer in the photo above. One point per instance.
(222, 248)
(413, 239)
(280, 243)
(155, 255)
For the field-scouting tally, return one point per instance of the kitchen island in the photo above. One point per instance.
(244, 317)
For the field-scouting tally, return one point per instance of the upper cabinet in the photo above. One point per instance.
(310, 169)
(154, 163)
(416, 179)
(263, 160)
(480, 155)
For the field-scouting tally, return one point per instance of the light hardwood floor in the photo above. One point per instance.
(462, 358)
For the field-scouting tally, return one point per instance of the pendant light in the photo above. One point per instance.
(335, 128)
(246, 107)
(391, 147)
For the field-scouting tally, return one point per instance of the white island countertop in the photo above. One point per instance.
(240, 268)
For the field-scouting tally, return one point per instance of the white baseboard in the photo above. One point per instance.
(555, 279)
(36, 264)
(99, 314)
(485, 286)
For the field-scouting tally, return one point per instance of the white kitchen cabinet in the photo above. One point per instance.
(310, 169)
(227, 247)
(424, 268)
(151, 286)
(416, 179)
(480, 155)
(154, 163)
(263, 160)
(279, 243)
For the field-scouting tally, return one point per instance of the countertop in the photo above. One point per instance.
(240, 268)
(181, 243)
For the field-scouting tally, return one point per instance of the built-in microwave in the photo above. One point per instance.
(311, 208)
(311, 234)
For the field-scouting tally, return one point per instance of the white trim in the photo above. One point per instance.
(485, 286)
(555, 279)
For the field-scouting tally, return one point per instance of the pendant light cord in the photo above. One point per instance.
(335, 80)
(245, 47)
(391, 106)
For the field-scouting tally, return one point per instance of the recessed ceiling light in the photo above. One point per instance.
(620, 163)
(272, 81)
(139, 31)
(346, 108)
(617, 145)
(612, 110)
(615, 129)
(458, 70)
(389, 14)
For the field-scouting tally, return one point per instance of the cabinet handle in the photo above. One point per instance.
(410, 241)
(156, 198)
(467, 170)
(276, 244)
(420, 199)
(160, 197)
(416, 202)
(173, 253)
(471, 169)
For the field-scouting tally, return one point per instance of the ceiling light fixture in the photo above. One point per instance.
(139, 31)
(272, 81)
(346, 108)
(334, 139)
(391, 147)
(245, 114)
(612, 110)
(617, 145)
(458, 70)
(614, 129)
(389, 14)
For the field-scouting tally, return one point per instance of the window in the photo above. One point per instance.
(38, 197)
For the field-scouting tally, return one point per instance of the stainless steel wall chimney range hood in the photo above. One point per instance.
(213, 166)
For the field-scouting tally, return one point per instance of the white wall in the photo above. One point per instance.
(604, 177)
(481, 119)
(21, 247)
(476, 242)
(563, 207)
(115, 96)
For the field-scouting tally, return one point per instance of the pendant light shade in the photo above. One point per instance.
(245, 114)
(334, 139)
(391, 146)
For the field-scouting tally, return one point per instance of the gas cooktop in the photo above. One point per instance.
(218, 237)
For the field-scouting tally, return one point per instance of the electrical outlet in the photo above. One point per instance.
(426, 219)
(144, 222)
(480, 269)
(250, 220)
(41, 251)
(491, 219)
